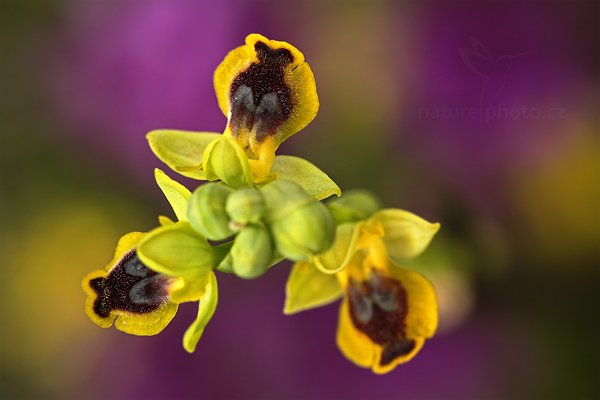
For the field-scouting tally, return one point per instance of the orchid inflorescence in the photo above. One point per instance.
(259, 209)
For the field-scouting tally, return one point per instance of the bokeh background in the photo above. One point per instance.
(480, 115)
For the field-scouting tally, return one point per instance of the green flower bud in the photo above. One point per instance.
(206, 211)
(353, 206)
(252, 252)
(245, 206)
(301, 226)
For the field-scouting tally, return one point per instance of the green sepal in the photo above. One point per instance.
(405, 234)
(314, 181)
(177, 250)
(181, 150)
(177, 195)
(206, 309)
(206, 211)
(353, 206)
(224, 159)
(308, 288)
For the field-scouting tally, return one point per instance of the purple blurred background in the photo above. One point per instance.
(480, 116)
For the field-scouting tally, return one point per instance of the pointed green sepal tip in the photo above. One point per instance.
(177, 195)
(224, 159)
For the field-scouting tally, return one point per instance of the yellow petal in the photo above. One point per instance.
(308, 288)
(406, 235)
(354, 344)
(337, 257)
(206, 309)
(314, 181)
(181, 150)
(182, 290)
(162, 220)
(177, 195)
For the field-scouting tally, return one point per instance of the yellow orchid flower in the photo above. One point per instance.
(152, 273)
(268, 93)
(136, 299)
(387, 311)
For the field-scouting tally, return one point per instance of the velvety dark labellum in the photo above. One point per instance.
(259, 97)
(378, 307)
(129, 286)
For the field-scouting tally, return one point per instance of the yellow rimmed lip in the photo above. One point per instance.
(381, 351)
(399, 305)
(267, 91)
(117, 294)
(240, 58)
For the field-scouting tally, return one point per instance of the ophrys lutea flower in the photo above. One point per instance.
(267, 91)
(387, 311)
(139, 290)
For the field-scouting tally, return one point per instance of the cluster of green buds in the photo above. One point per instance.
(254, 210)
(263, 225)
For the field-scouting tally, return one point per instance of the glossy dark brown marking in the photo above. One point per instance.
(130, 286)
(378, 307)
(259, 97)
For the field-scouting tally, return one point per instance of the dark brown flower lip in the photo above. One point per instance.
(378, 308)
(260, 99)
(130, 286)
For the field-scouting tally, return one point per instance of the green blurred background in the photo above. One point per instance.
(481, 116)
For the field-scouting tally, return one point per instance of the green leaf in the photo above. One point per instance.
(177, 195)
(181, 150)
(308, 288)
(310, 177)
(406, 235)
(177, 250)
(224, 159)
(206, 309)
